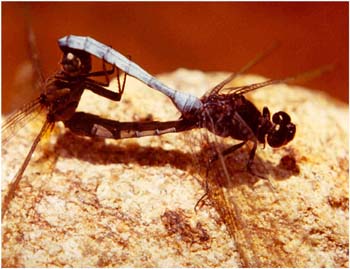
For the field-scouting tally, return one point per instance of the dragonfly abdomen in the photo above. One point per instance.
(86, 124)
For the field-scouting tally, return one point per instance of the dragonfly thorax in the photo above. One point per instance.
(230, 115)
(235, 116)
(61, 97)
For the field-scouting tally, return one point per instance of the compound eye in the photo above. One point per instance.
(281, 118)
(283, 132)
(71, 64)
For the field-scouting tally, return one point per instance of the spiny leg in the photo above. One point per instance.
(104, 73)
(95, 86)
(204, 195)
(107, 72)
(227, 151)
(121, 87)
(251, 156)
(206, 186)
(251, 160)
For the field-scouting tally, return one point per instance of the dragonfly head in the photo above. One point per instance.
(282, 131)
(75, 62)
(278, 132)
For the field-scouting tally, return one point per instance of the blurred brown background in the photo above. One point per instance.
(162, 37)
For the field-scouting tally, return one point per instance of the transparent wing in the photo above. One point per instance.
(18, 119)
(13, 185)
(308, 75)
(245, 68)
(220, 180)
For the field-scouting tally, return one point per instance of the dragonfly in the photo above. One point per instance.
(63, 91)
(227, 114)
(224, 115)
(224, 111)
(59, 100)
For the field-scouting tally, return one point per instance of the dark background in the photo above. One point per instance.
(162, 37)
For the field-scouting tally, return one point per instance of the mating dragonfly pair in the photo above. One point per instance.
(227, 114)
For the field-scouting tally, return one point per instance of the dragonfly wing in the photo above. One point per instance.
(13, 185)
(245, 68)
(17, 120)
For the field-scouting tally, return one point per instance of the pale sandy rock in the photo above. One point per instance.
(130, 203)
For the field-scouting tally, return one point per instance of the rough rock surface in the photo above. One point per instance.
(130, 203)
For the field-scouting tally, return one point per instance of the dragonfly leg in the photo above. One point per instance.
(206, 186)
(107, 72)
(251, 156)
(96, 88)
(251, 160)
(121, 87)
(203, 196)
(227, 151)
(104, 73)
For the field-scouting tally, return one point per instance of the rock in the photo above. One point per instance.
(130, 203)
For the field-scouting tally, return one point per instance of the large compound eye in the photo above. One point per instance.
(75, 62)
(283, 131)
(71, 64)
(281, 118)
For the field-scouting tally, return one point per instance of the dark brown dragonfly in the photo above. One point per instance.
(61, 94)
(225, 115)
(58, 101)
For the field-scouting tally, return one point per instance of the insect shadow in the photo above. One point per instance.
(99, 152)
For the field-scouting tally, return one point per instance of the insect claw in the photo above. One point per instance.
(199, 201)
(204, 195)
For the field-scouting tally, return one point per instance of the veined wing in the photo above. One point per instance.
(220, 191)
(13, 185)
(308, 75)
(18, 119)
(245, 68)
